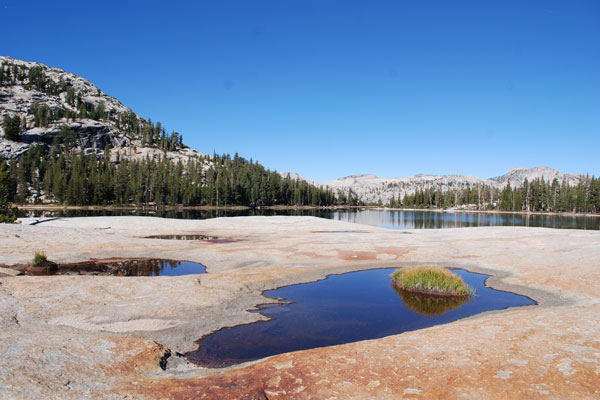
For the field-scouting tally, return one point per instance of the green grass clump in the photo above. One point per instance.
(430, 279)
(39, 257)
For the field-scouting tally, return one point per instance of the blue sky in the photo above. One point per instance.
(335, 88)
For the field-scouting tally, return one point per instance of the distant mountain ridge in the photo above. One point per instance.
(516, 176)
(371, 189)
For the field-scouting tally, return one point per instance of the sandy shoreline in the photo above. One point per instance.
(103, 333)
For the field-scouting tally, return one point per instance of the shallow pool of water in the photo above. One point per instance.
(342, 309)
(138, 267)
(182, 237)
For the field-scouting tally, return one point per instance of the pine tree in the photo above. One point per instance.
(506, 200)
(12, 127)
(37, 78)
(7, 215)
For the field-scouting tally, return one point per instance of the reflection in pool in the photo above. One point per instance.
(182, 237)
(342, 309)
(392, 219)
(427, 304)
(404, 219)
(137, 267)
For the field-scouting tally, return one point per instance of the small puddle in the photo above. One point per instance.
(224, 240)
(340, 232)
(343, 309)
(138, 267)
(209, 239)
(181, 237)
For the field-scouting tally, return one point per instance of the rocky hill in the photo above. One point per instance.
(517, 176)
(48, 105)
(297, 177)
(79, 138)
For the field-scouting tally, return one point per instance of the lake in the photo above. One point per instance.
(398, 219)
(392, 219)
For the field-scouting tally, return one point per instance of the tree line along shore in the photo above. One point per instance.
(57, 176)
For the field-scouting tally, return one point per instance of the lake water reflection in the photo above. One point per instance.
(398, 219)
(392, 219)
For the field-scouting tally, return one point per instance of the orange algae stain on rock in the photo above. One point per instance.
(466, 257)
(378, 252)
(396, 251)
(357, 255)
(440, 362)
(135, 356)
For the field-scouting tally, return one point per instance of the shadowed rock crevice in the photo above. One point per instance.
(162, 362)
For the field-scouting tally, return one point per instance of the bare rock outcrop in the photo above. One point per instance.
(50, 99)
(118, 337)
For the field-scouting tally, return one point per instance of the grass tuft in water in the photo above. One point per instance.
(39, 257)
(430, 279)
